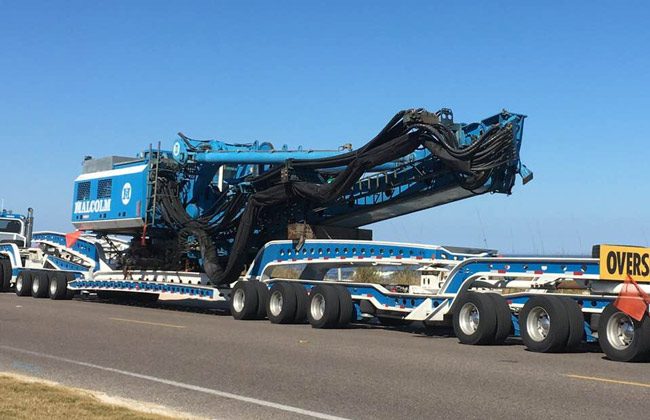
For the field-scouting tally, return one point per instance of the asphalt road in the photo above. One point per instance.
(204, 362)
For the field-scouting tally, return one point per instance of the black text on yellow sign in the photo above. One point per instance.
(618, 262)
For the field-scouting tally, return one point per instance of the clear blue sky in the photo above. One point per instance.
(99, 78)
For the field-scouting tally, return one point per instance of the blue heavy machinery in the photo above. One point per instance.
(209, 205)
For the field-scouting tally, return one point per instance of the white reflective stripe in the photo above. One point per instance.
(112, 172)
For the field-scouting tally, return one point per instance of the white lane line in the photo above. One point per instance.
(611, 381)
(190, 387)
(157, 324)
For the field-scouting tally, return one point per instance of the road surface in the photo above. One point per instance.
(205, 363)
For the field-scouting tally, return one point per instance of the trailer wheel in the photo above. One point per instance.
(576, 323)
(58, 286)
(281, 304)
(262, 299)
(302, 303)
(475, 319)
(24, 283)
(69, 294)
(346, 306)
(244, 300)
(622, 338)
(40, 284)
(504, 318)
(544, 324)
(5, 275)
(323, 307)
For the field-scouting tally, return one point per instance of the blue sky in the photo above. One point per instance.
(102, 78)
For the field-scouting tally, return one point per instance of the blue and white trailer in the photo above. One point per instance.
(193, 217)
(551, 304)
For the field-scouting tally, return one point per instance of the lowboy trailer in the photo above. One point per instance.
(186, 222)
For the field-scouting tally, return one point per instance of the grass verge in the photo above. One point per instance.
(26, 398)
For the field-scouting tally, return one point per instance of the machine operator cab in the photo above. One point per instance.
(13, 228)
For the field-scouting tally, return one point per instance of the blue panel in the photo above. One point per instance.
(111, 199)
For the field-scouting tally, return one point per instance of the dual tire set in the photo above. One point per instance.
(325, 306)
(549, 324)
(42, 284)
(5, 275)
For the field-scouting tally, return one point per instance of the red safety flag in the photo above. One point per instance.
(632, 299)
(71, 238)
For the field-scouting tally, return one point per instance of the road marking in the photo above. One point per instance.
(612, 381)
(158, 324)
(190, 387)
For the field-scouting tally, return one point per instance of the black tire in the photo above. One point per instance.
(5, 275)
(323, 307)
(576, 323)
(40, 284)
(24, 283)
(346, 306)
(504, 318)
(58, 287)
(244, 300)
(281, 304)
(302, 303)
(69, 294)
(544, 324)
(262, 299)
(471, 308)
(638, 348)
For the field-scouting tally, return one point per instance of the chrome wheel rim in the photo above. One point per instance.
(620, 331)
(239, 300)
(538, 323)
(19, 283)
(53, 287)
(469, 318)
(275, 303)
(317, 306)
(36, 284)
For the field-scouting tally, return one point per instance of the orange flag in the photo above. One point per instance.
(632, 299)
(71, 238)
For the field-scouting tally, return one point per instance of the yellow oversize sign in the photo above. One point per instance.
(618, 262)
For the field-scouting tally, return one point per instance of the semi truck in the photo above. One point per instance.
(277, 233)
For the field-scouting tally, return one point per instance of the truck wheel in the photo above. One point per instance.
(475, 319)
(69, 294)
(504, 318)
(243, 300)
(323, 307)
(281, 304)
(5, 275)
(24, 283)
(40, 284)
(544, 324)
(58, 286)
(576, 323)
(262, 299)
(622, 338)
(302, 303)
(346, 306)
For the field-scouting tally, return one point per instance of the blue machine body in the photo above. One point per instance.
(114, 199)
(211, 182)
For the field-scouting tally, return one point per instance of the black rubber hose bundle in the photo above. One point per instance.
(405, 132)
